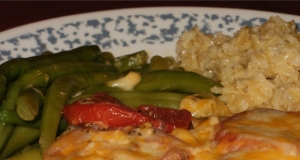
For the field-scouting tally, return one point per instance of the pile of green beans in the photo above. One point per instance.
(34, 90)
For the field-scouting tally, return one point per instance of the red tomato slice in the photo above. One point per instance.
(167, 119)
(110, 112)
(113, 115)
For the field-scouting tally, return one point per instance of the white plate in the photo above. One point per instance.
(125, 31)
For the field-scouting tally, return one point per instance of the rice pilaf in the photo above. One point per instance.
(258, 66)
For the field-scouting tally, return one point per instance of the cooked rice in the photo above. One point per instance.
(258, 67)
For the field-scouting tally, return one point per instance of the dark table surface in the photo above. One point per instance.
(16, 13)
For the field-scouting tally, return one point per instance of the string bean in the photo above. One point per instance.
(160, 63)
(160, 99)
(131, 61)
(5, 132)
(58, 94)
(21, 137)
(107, 58)
(83, 53)
(175, 81)
(92, 90)
(29, 102)
(14, 68)
(43, 76)
(33, 154)
(2, 86)
(11, 117)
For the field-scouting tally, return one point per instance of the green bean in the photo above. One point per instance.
(84, 53)
(29, 102)
(28, 147)
(11, 117)
(21, 137)
(136, 98)
(2, 86)
(92, 90)
(5, 132)
(160, 63)
(131, 61)
(33, 154)
(175, 81)
(14, 68)
(44, 76)
(142, 68)
(107, 58)
(57, 96)
(160, 99)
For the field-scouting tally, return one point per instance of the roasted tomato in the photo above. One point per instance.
(167, 119)
(109, 112)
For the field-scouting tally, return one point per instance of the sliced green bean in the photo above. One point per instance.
(131, 61)
(21, 137)
(57, 96)
(11, 117)
(33, 154)
(84, 53)
(142, 68)
(5, 132)
(2, 86)
(29, 103)
(160, 99)
(175, 81)
(43, 76)
(160, 63)
(137, 98)
(107, 58)
(14, 68)
(92, 90)
(31, 146)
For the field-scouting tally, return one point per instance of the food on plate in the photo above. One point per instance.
(259, 134)
(111, 113)
(254, 134)
(225, 98)
(258, 66)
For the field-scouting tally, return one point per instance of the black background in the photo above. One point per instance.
(16, 13)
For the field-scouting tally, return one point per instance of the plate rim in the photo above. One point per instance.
(19, 30)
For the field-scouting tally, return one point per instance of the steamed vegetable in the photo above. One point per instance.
(57, 96)
(113, 114)
(35, 91)
(29, 103)
(16, 67)
(177, 81)
(21, 137)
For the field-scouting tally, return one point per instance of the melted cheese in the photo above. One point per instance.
(255, 132)
(126, 83)
(261, 134)
(140, 143)
(258, 155)
(204, 107)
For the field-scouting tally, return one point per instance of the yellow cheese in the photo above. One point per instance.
(185, 136)
(261, 134)
(204, 106)
(126, 83)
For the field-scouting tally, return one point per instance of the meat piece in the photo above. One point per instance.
(177, 154)
(142, 143)
(260, 131)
